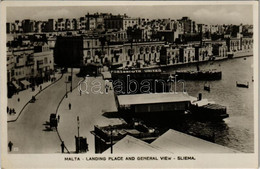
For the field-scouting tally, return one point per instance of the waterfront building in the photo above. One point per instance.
(233, 44)
(107, 136)
(187, 54)
(169, 54)
(246, 43)
(219, 50)
(120, 52)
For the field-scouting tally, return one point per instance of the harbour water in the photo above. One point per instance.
(237, 131)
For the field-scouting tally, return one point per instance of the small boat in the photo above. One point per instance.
(244, 58)
(207, 87)
(242, 85)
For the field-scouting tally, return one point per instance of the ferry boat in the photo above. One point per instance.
(133, 80)
(206, 110)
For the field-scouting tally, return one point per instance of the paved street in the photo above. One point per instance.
(28, 133)
(89, 108)
(25, 96)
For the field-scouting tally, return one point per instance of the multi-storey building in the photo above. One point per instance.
(187, 54)
(26, 64)
(169, 54)
(61, 24)
(233, 44)
(120, 52)
(219, 50)
(189, 26)
(43, 62)
(120, 22)
(28, 26)
(246, 43)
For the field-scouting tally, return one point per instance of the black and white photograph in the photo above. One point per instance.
(88, 82)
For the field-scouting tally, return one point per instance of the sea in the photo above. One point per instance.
(236, 131)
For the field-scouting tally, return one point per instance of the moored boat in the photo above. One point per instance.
(199, 75)
(243, 85)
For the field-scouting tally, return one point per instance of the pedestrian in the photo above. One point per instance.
(58, 118)
(40, 87)
(106, 87)
(62, 147)
(10, 145)
(18, 99)
(80, 92)
(7, 109)
(69, 106)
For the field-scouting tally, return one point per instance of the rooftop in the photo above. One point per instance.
(152, 98)
(133, 145)
(178, 142)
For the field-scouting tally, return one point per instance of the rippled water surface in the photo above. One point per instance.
(237, 131)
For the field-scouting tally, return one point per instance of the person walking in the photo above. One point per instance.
(69, 106)
(62, 147)
(58, 118)
(40, 87)
(10, 145)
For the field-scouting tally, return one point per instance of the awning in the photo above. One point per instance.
(25, 82)
(15, 84)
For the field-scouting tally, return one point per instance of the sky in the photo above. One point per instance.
(207, 14)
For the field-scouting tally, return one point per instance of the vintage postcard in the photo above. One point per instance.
(149, 84)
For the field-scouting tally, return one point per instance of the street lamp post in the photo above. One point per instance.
(111, 139)
(78, 135)
(66, 88)
(175, 83)
(170, 78)
(71, 79)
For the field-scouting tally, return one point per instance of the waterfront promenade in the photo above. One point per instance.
(89, 108)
